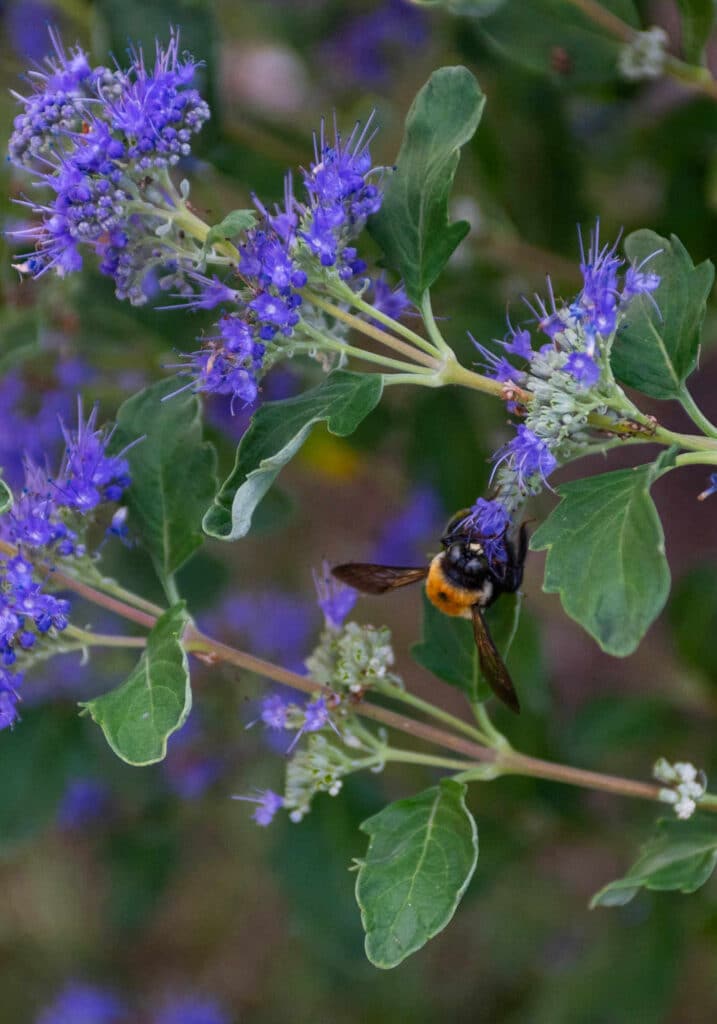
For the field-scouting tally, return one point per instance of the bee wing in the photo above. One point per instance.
(377, 579)
(491, 664)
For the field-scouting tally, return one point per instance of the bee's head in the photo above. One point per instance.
(464, 560)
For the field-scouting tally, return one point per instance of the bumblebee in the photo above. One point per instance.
(462, 581)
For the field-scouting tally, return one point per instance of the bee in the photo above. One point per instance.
(461, 581)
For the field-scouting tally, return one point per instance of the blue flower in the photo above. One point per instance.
(528, 456)
(584, 369)
(267, 804)
(497, 367)
(712, 489)
(274, 711)
(89, 475)
(392, 301)
(489, 522)
(335, 599)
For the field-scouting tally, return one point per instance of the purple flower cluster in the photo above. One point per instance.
(41, 521)
(341, 198)
(562, 373)
(579, 326)
(95, 137)
(273, 261)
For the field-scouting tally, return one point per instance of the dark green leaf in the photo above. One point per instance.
(233, 224)
(697, 20)
(5, 497)
(681, 855)
(140, 715)
(656, 351)
(412, 226)
(422, 853)
(606, 555)
(173, 472)
(552, 37)
(448, 648)
(277, 432)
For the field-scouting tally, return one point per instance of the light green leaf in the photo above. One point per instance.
(657, 349)
(412, 226)
(422, 853)
(276, 434)
(173, 472)
(140, 715)
(697, 21)
(681, 856)
(6, 499)
(448, 648)
(551, 37)
(234, 224)
(606, 555)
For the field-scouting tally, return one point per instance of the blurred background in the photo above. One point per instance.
(151, 884)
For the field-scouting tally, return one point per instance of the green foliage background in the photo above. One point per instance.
(175, 894)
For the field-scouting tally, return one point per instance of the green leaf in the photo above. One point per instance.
(657, 350)
(448, 647)
(422, 853)
(697, 20)
(551, 37)
(6, 499)
(412, 226)
(140, 715)
(680, 856)
(277, 432)
(173, 472)
(233, 224)
(606, 555)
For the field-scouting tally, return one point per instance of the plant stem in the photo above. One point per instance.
(696, 415)
(359, 353)
(345, 293)
(187, 221)
(432, 327)
(697, 459)
(454, 373)
(606, 19)
(493, 737)
(371, 331)
(693, 76)
(405, 697)
(170, 589)
(504, 761)
(89, 639)
(413, 757)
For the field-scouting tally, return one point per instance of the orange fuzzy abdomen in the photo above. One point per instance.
(450, 598)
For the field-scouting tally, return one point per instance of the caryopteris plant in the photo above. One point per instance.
(102, 148)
